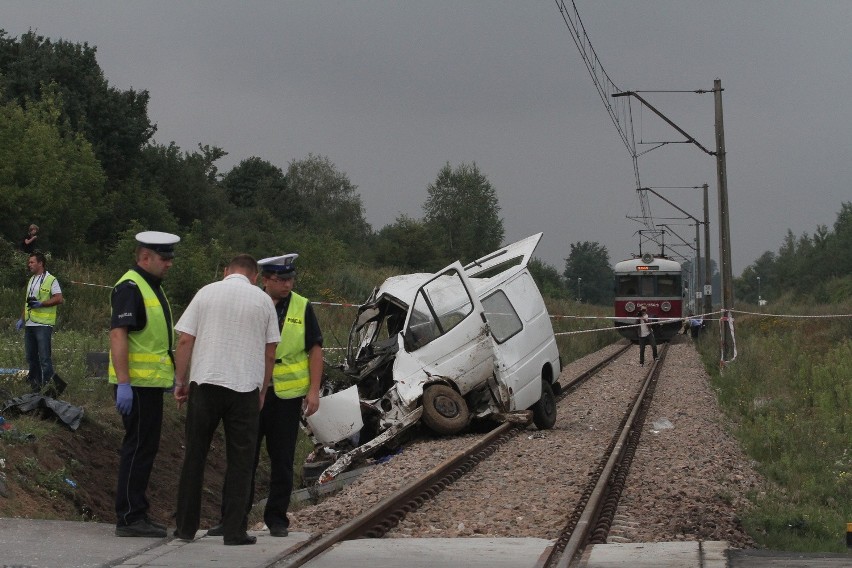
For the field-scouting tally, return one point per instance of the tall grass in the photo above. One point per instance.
(580, 328)
(790, 392)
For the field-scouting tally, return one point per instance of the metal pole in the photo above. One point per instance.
(708, 294)
(578, 288)
(724, 228)
(696, 272)
(759, 303)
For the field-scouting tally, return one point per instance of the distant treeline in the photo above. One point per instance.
(809, 269)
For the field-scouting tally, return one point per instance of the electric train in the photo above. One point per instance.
(654, 282)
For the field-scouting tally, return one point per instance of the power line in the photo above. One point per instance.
(621, 111)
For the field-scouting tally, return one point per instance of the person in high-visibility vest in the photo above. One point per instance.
(141, 366)
(38, 319)
(294, 391)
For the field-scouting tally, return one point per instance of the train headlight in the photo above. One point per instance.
(666, 306)
(629, 307)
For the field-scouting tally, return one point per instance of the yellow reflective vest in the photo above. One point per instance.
(47, 314)
(291, 375)
(149, 362)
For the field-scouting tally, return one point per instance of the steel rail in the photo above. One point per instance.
(604, 489)
(388, 512)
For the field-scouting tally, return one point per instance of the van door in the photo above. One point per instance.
(445, 332)
(521, 329)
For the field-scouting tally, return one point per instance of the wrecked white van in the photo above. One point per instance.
(445, 348)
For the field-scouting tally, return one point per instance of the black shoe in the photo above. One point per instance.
(141, 528)
(155, 524)
(245, 539)
(278, 531)
(55, 387)
(216, 530)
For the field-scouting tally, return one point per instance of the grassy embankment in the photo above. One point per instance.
(789, 392)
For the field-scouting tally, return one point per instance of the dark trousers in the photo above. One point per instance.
(37, 346)
(279, 424)
(642, 342)
(238, 411)
(138, 449)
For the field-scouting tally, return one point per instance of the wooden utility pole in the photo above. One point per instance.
(725, 334)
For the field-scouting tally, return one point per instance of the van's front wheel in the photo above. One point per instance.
(444, 410)
(544, 411)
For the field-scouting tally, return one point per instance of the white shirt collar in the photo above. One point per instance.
(240, 276)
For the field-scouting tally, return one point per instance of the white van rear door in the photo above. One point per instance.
(510, 258)
(446, 334)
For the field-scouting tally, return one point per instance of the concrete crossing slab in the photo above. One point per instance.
(434, 553)
(710, 554)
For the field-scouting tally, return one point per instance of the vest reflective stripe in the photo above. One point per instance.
(45, 315)
(291, 377)
(149, 362)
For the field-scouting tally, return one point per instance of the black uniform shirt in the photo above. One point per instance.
(313, 334)
(128, 308)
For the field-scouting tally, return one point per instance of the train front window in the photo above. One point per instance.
(647, 286)
(626, 285)
(668, 285)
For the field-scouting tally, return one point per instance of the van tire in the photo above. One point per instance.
(544, 411)
(444, 410)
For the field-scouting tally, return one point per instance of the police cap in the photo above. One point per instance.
(279, 265)
(161, 243)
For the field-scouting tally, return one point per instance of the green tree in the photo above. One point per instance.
(409, 244)
(463, 210)
(187, 180)
(839, 243)
(548, 279)
(48, 178)
(746, 286)
(254, 180)
(320, 197)
(114, 121)
(589, 262)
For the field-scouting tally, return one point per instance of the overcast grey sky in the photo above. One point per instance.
(391, 91)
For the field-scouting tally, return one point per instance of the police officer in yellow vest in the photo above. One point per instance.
(38, 319)
(296, 381)
(141, 341)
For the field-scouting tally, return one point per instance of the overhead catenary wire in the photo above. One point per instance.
(620, 111)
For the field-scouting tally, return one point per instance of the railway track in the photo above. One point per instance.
(589, 520)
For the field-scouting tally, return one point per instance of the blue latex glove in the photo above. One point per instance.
(35, 304)
(124, 398)
(19, 325)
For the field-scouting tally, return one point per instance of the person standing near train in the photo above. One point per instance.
(646, 335)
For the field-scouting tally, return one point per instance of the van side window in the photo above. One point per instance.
(439, 306)
(502, 318)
